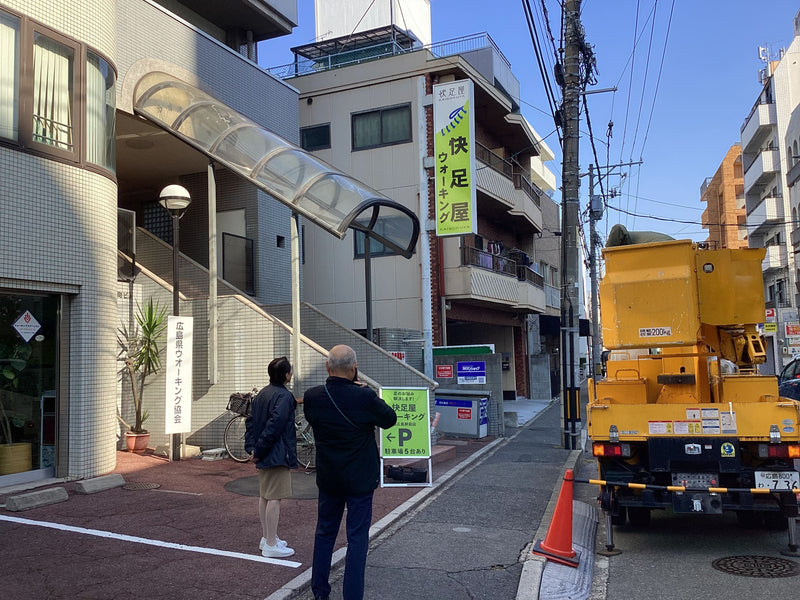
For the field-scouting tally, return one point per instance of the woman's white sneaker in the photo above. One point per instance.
(278, 542)
(276, 551)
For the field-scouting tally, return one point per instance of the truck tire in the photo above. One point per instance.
(638, 516)
(620, 518)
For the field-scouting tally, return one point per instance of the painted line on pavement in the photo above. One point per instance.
(159, 543)
(177, 492)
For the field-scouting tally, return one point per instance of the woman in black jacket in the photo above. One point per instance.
(271, 440)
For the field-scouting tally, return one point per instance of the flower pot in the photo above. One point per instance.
(15, 458)
(136, 442)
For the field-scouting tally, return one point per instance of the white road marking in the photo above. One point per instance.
(159, 543)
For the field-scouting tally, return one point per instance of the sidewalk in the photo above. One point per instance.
(189, 529)
(471, 536)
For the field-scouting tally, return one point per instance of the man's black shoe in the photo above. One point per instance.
(321, 597)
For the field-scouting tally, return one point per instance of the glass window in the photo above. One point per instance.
(53, 93)
(100, 112)
(375, 247)
(28, 380)
(393, 228)
(382, 127)
(9, 76)
(317, 137)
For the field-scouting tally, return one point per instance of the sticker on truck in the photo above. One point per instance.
(688, 427)
(648, 332)
(659, 427)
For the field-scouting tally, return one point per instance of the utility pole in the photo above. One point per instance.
(595, 214)
(570, 209)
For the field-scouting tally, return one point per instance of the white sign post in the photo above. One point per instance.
(178, 414)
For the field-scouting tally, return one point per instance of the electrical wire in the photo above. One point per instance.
(542, 69)
(658, 80)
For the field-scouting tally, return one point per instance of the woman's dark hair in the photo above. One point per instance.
(278, 370)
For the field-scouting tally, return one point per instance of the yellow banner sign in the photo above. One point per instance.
(454, 146)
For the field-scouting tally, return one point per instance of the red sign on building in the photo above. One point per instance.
(444, 371)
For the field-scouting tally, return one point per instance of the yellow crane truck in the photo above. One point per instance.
(682, 419)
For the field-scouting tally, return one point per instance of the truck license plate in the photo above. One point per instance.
(777, 480)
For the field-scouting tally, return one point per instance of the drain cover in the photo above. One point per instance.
(141, 486)
(750, 565)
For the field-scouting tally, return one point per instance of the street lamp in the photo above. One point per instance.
(176, 200)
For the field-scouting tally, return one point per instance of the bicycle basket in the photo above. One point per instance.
(240, 403)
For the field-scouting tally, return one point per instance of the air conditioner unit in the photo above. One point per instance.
(785, 350)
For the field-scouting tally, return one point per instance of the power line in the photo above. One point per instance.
(551, 99)
(658, 80)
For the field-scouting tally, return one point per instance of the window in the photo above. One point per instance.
(68, 108)
(389, 227)
(375, 247)
(317, 137)
(53, 93)
(382, 127)
(9, 76)
(100, 112)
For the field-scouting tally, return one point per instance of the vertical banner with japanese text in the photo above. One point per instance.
(454, 147)
(178, 363)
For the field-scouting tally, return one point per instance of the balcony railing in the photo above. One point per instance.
(534, 191)
(510, 170)
(495, 161)
(485, 260)
(525, 273)
(456, 46)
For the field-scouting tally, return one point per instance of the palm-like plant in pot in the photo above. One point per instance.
(140, 354)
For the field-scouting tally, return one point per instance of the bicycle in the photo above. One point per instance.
(306, 449)
(241, 403)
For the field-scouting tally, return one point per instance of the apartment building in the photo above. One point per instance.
(767, 157)
(103, 104)
(74, 150)
(366, 106)
(723, 193)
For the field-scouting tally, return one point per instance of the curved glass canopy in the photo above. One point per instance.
(309, 186)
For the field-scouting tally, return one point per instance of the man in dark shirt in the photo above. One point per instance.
(343, 415)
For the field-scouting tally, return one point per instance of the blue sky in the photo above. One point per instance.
(707, 86)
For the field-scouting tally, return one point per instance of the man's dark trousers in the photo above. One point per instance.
(329, 517)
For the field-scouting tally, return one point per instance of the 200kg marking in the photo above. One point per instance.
(646, 332)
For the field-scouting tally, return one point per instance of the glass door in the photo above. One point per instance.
(28, 376)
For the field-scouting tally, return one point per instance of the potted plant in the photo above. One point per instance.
(14, 457)
(141, 357)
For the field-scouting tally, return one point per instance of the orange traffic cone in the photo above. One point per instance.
(557, 544)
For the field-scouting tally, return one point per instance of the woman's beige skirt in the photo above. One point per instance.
(275, 483)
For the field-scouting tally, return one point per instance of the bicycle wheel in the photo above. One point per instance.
(234, 439)
(306, 454)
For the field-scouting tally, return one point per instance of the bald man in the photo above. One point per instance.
(344, 415)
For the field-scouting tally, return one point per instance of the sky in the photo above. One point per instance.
(686, 74)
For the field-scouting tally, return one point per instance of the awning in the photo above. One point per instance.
(309, 186)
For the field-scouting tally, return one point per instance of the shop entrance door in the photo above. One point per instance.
(28, 396)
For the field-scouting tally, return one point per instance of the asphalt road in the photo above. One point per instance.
(673, 557)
